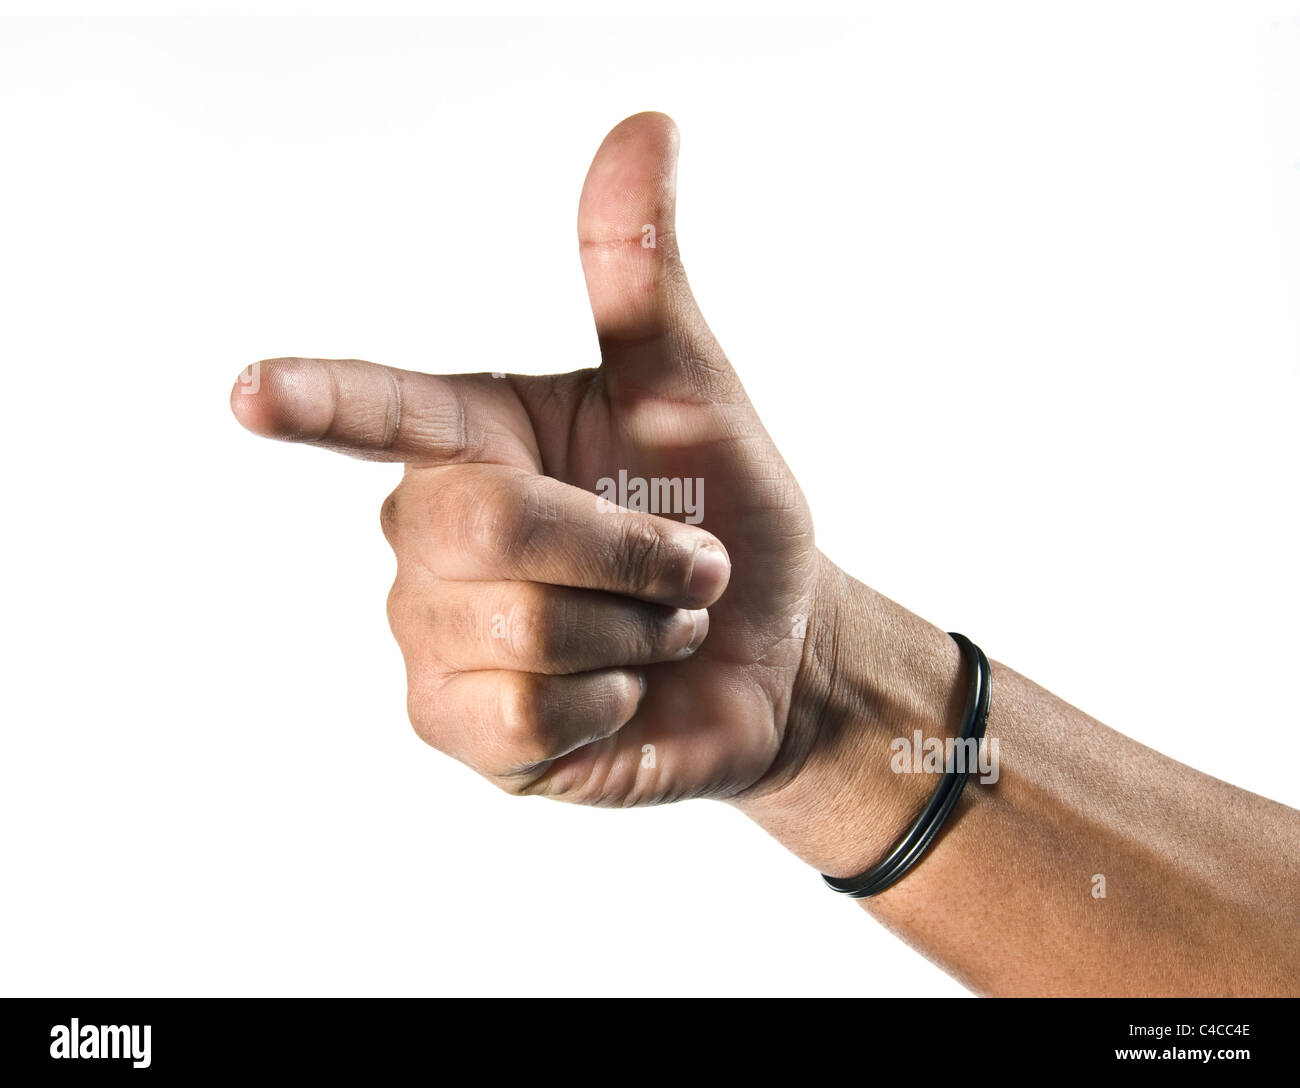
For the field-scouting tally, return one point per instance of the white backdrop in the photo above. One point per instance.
(1059, 251)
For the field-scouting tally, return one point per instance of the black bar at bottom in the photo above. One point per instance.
(601, 1041)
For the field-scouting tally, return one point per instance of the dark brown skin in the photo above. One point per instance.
(549, 640)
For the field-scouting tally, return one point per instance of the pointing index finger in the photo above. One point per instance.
(380, 413)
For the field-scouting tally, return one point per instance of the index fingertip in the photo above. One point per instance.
(282, 398)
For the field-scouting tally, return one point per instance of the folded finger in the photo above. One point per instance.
(507, 724)
(532, 627)
(488, 523)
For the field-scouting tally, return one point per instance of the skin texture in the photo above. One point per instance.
(551, 642)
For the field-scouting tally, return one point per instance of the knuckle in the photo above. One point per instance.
(430, 707)
(651, 629)
(644, 552)
(423, 715)
(524, 735)
(500, 521)
(626, 696)
(395, 607)
(411, 609)
(445, 424)
(538, 627)
(513, 784)
(388, 517)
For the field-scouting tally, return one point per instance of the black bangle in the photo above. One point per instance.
(908, 850)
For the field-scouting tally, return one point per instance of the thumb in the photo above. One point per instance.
(652, 335)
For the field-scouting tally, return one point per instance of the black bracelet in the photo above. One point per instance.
(908, 850)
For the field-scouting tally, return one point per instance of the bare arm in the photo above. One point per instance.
(1201, 879)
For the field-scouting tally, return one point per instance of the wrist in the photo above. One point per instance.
(871, 672)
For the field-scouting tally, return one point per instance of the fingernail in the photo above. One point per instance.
(710, 572)
(699, 618)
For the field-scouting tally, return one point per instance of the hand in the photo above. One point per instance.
(554, 645)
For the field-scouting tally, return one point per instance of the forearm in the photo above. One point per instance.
(1200, 877)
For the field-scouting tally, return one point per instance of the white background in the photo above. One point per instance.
(1015, 293)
